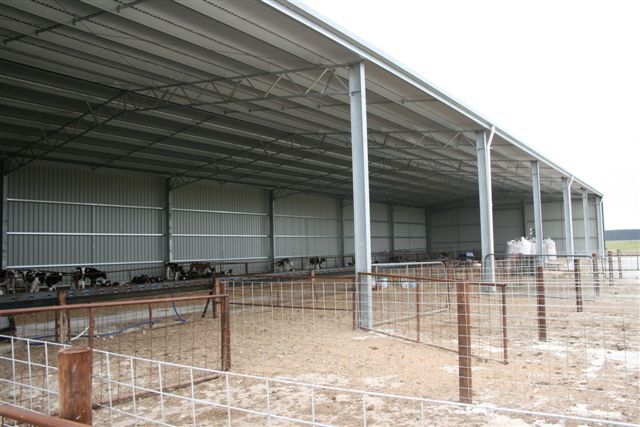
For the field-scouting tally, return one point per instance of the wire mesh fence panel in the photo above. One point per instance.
(133, 390)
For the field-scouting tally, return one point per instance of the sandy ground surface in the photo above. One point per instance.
(589, 366)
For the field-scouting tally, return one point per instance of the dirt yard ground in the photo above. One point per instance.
(588, 367)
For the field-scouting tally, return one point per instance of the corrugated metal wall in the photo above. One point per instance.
(60, 218)
(222, 223)
(553, 224)
(306, 226)
(458, 229)
(409, 230)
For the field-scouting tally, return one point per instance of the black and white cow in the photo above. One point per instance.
(51, 280)
(8, 280)
(283, 264)
(32, 280)
(144, 279)
(93, 275)
(199, 270)
(316, 262)
(174, 271)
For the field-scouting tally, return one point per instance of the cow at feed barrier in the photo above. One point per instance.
(316, 262)
(82, 274)
(199, 270)
(144, 279)
(51, 280)
(32, 280)
(283, 264)
(8, 280)
(174, 271)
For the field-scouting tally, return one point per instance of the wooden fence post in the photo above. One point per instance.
(610, 257)
(465, 386)
(75, 374)
(619, 253)
(596, 275)
(542, 315)
(576, 275)
(62, 319)
(225, 333)
(505, 342)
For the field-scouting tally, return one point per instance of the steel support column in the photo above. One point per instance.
(585, 221)
(4, 215)
(486, 204)
(427, 232)
(272, 234)
(600, 226)
(392, 234)
(537, 207)
(341, 263)
(568, 216)
(361, 214)
(168, 215)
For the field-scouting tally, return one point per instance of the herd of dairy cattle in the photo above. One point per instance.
(81, 277)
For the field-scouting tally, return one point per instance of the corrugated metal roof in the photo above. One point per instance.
(247, 92)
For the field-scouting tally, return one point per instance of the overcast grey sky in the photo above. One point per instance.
(561, 76)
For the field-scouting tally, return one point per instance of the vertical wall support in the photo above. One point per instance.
(4, 216)
(568, 217)
(585, 221)
(340, 220)
(600, 226)
(486, 204)
(361, 214)
(427, 226)
(272, 234)
(168, 215)
(392, 231)
(537, 208)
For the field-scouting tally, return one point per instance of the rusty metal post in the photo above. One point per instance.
(503, 290)
(465, 386)
(596, 274)
(92, 323)
(75, 373)
(576, 275)
(542, 315)
(418, 314)
(62, 319)
(619, 254)
(610, 257)
(225, 333)
(150, 317)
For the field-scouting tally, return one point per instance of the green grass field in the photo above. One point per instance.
(626, 246)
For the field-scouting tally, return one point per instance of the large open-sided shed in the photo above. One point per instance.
(138, 131)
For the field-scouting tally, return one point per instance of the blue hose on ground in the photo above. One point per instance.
(175, 310)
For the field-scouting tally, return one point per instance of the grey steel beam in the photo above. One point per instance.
(427, 231)
(272, 234)
(537, 206)
(341, 232)
(600, 222)
(483, 151)
(168, 218)
(585, 221)
(568, 216)
(361, 214)
(392, 234)
(4, 215)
